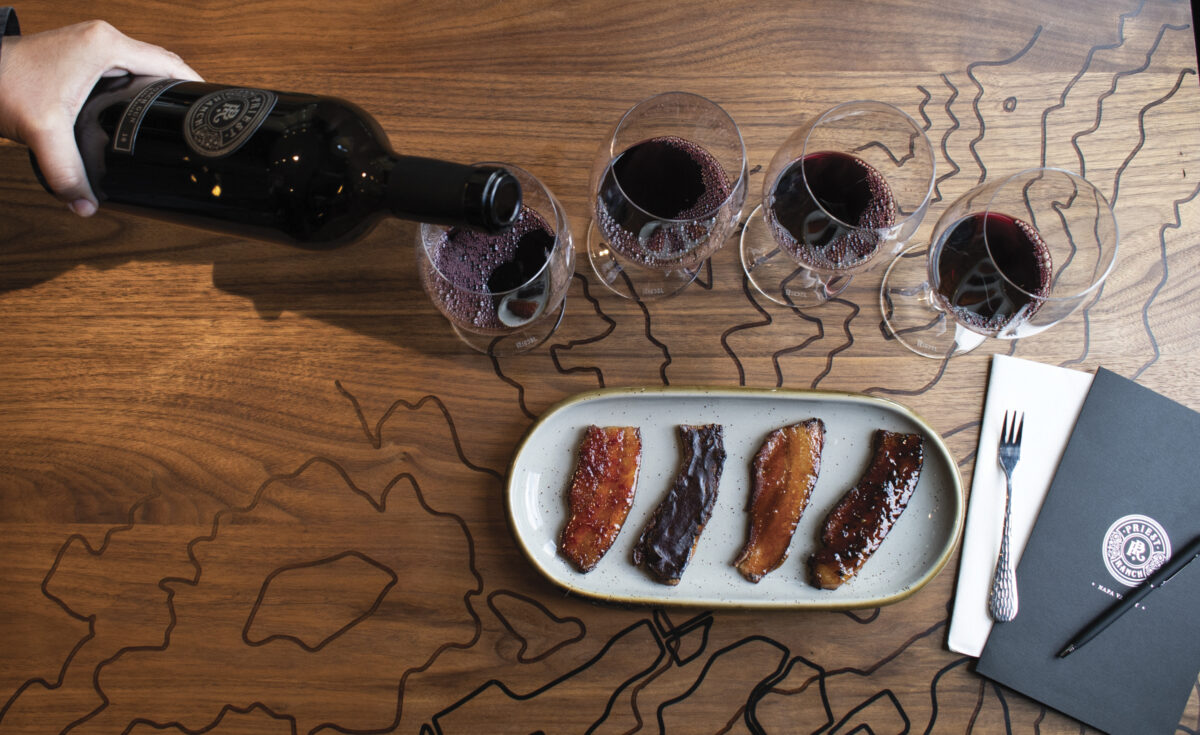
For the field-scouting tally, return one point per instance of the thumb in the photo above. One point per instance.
(62, 167)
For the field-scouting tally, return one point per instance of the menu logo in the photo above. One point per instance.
(1134, 547)
(218, 123)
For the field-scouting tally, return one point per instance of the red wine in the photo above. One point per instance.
(295, 168)
(970, 283)
(492, 282)
(665, 178)
(812, 226)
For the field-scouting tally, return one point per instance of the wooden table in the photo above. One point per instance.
(249, 488)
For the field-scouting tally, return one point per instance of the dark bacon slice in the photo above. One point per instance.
(785, 471)
(601, 492)
(863, 517)
(670, 537)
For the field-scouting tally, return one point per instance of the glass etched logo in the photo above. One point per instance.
(219, 123)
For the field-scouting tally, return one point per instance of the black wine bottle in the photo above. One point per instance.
(295, 168)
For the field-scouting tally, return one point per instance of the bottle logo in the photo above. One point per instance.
(219, 123)
(1135, 546)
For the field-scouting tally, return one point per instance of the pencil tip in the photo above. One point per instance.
(1066, 651)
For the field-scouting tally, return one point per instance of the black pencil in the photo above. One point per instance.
(1160, 577)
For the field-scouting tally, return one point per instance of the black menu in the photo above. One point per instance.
(1126, 495)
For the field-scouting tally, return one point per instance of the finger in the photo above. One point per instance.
(137, 57)
(62, 167)
(103, 48)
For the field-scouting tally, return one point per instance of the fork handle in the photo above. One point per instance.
(1002, 602)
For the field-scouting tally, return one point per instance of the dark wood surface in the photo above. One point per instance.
(249, 488)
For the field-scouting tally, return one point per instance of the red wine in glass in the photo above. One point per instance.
(488, 277)
(658, 198)
(990, 269)
(827, 210)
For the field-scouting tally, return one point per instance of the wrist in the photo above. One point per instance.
(8, 108)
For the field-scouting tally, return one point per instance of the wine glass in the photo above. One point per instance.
(504, 293)
(851, 184)
(1009, 259)
(667, 189)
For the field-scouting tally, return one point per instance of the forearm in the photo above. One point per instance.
(8, 27)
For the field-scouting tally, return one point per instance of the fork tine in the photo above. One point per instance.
(1020, 429)
(1004, 429)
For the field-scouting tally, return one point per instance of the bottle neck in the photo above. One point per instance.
(486, 198)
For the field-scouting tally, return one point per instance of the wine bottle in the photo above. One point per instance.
(295, 168)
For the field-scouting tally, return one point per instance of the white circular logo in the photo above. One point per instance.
(1134, 547)
(219, 122)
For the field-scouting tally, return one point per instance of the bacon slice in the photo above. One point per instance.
(669, 539)
(860, 521)
(601, 492)
(785, 471)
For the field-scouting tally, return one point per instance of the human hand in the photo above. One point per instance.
(46, 77)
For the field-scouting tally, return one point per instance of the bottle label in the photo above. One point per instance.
(219, 123)
(126, 132)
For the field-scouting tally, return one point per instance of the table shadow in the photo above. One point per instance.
(369, 286)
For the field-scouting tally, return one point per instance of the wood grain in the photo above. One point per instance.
(248, 488)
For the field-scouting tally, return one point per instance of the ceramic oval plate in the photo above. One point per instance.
(917, 548)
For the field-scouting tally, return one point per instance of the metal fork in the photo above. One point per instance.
(1002, 602)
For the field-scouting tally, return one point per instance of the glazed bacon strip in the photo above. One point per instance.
(860, 521)
(785, 471)
(669, 539)
(601, 493)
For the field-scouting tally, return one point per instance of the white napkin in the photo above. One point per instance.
(1051, 398)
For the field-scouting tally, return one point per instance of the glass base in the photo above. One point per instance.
(514, 343)
(911, 315)
(776, 275)
(631, 280)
